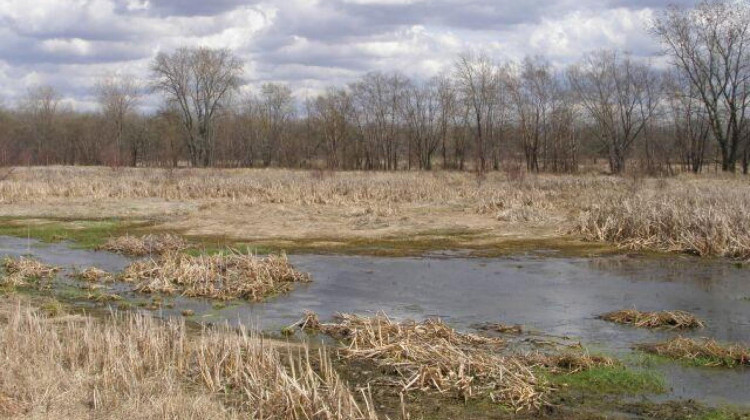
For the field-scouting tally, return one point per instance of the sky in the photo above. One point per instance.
(309, 44)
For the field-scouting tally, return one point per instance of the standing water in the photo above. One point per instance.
(553, 296)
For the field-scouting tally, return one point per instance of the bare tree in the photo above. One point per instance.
(535, 93)
(620, 96)
(478, 80)
(118, 97)
(41, 107)
(277, 110)
(377, 101)
(422, 115)
(711, 45)
(690, 125)
(199, 81)
(331, 114)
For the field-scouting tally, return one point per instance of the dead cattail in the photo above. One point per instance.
(139, 246)
(662, 319)
(569, 362)
(21, 270)
(431, 356)
(706, 352)
(93, 275)
(229, 276)
(134, 366)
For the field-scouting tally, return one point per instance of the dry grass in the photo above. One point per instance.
(19, 271)
(133, 367)
(431, 356)
(225, 276)
(569, 362)
(705, 352)
(93, 275)
(707, 216)
(661, 319)
(500, 328)
(139, 246)
(698, 217)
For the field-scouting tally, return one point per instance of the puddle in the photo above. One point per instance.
(557, 296)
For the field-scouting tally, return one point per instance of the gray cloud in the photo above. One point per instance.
(310, 44)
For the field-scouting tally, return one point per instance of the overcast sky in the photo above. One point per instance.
(310, 44)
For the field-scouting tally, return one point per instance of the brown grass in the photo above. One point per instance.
(226, 276)
(707, 216)
(699, 217)
(19, 271)
(569, 361)
(431, 356)
(705, 352)
(134, 367)
(501, 328)
(93, 275)
(661, 319)
(139, 246)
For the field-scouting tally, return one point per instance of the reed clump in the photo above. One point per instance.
(93, 275)
(659, 319)
(19, 271)
(132, 366)
(140, 246)
(569, 362)
(228, 276)
(700, 218)
(704, 352)
(501, 328)
(431, 356)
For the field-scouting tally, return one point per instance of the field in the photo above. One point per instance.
(391, 213)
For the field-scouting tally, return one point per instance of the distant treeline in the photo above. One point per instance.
(480, 115)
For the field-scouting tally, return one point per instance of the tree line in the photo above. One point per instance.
(479, 115)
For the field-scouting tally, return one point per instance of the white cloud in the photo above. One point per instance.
(308, 43)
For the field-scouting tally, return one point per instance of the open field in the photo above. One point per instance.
(391, 213)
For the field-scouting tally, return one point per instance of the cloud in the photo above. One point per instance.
(310, 44)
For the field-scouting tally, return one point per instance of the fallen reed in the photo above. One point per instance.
(93, 275)
(569, 361)
(19, 271)
(223, 276)
(431, 356)
(661, 319)
(139, 246)
(134, 367)
(704, 352)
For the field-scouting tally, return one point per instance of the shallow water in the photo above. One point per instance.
(554, 296)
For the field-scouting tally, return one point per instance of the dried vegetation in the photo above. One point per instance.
(431, 356)
(222, 276)
(20, 271)
(135, 367)
(702, 216)
(662, 319)
(706, 352)
(93, 275)
(139, 246)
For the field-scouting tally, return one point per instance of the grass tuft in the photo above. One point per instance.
(703, 352)
(431, 356)
(140, 246)
(662, 319)
(19, 271)
(611, 380)
(222, 276)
